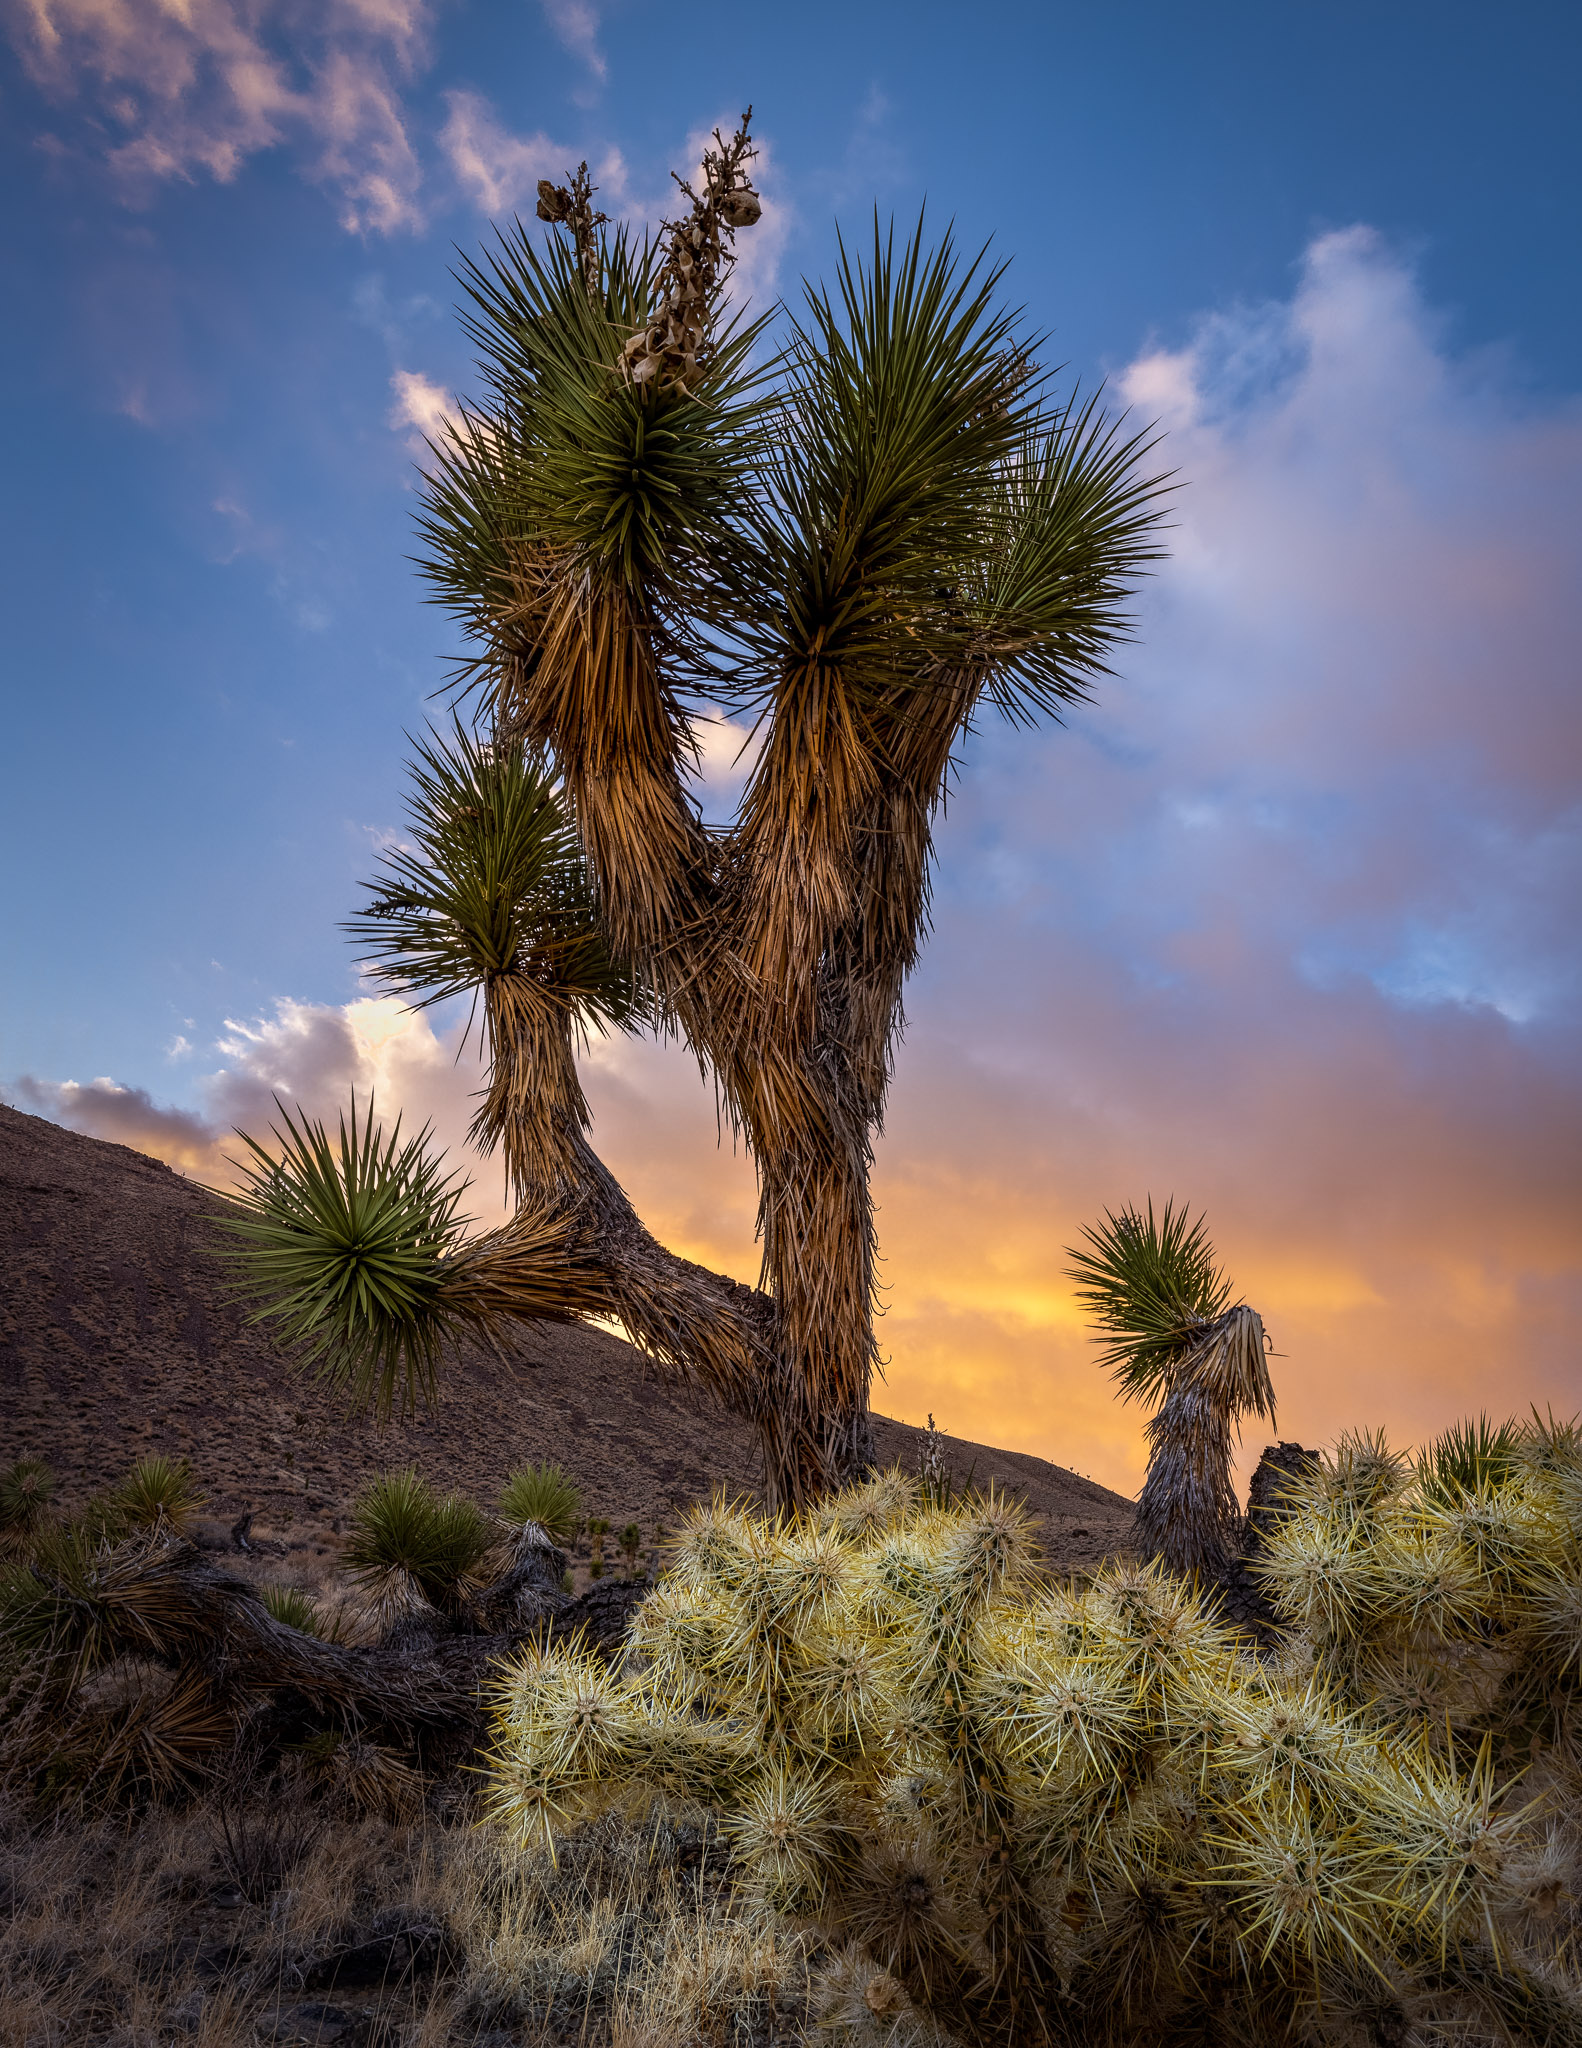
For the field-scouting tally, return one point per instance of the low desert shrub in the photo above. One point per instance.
(264, 1830)
(298, 1609)
(629, 1934)
(1022, 1810)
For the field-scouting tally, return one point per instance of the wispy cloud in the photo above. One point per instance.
(576, 27)
(421, 405)
(198, 89)
(498, 171)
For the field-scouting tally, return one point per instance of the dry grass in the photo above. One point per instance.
(130, 1934)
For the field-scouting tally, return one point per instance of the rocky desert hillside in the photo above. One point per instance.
(117, 1339)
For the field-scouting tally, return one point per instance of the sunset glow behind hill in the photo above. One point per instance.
(1283, 927)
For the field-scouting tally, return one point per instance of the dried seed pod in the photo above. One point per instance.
(554, 201)
(741, 208)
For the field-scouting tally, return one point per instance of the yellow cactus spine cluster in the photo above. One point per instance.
(1022, 1809)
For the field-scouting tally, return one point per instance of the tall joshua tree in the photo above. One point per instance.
(861, 545)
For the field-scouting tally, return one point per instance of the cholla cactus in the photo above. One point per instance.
(1020, 1810)
(1444, 1597)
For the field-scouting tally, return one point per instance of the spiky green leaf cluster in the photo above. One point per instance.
(542, 1496)
(342, 1244)
(494, 883)
(295, 1608)
(1026, 1801)
(158, 1493)
(26, 1489)
(1152, 1285)
(922, 502)
(566, 455)
(402, 1529)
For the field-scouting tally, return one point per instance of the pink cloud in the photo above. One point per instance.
(203, 87)
(312, 1056)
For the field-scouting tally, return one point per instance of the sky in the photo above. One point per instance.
(1283, 927)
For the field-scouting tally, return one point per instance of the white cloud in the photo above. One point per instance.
(498, 171)
(727, 751)
(312, 1056)
(421, 405)
(198, 88)
(576, 26)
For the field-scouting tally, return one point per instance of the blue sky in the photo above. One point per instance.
(1287, 924)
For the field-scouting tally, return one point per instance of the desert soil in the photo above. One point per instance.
(117, 1340)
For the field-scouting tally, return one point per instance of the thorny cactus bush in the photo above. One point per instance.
(1018, 1809)
(1441, 1600)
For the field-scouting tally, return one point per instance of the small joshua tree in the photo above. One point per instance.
(1174, 1336)
(863, 543)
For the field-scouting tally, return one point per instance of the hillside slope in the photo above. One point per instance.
(116, 1339)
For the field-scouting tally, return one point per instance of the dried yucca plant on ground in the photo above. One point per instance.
(1025, 1811)
(133, 1665)
(862, 544)
(1174, 1336)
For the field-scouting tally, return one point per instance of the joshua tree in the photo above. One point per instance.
(861, 545)
(1175, 1336)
